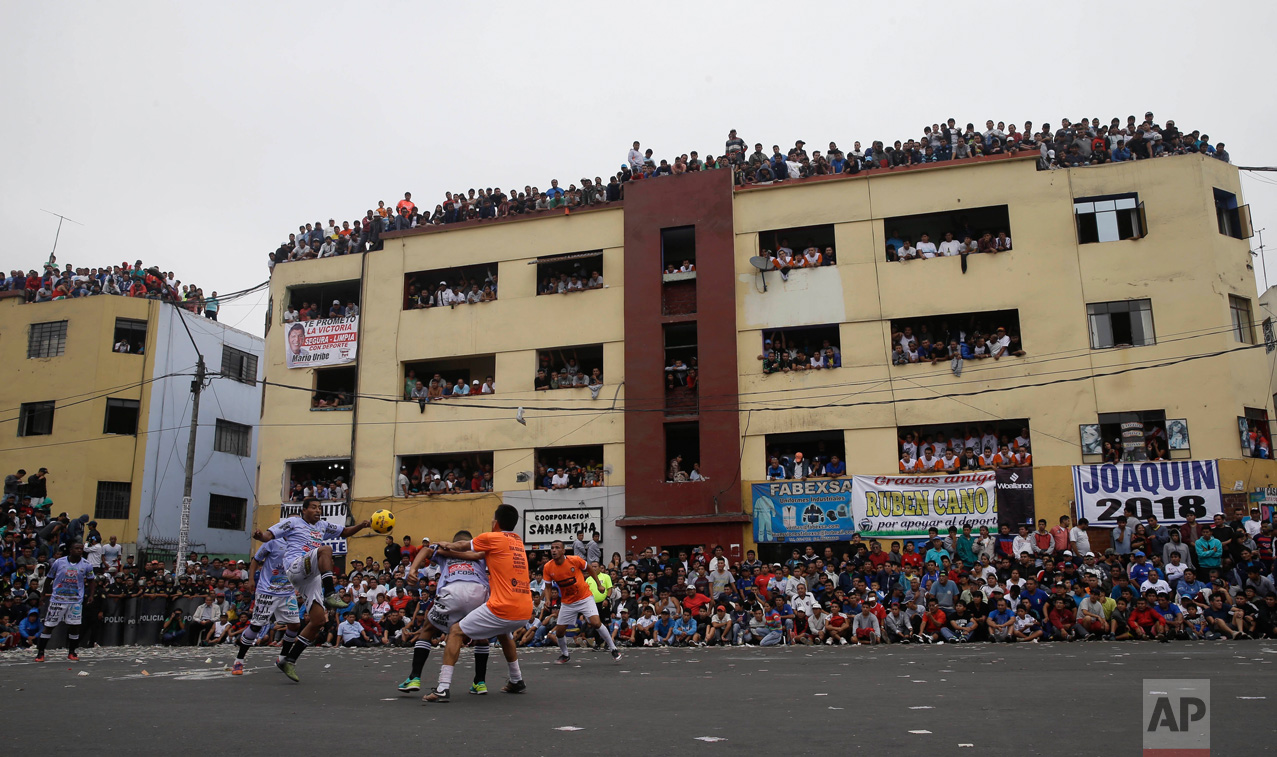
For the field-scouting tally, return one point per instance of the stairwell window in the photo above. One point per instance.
(1109, 218)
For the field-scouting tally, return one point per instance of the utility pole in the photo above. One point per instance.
(184, 530)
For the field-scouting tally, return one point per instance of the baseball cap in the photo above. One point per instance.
(1069, 553)
(1139, 553)
(722, 609)
(1089, 554)
(336, 302)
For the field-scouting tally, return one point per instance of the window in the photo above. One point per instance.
(818, 448)
(35, 419)
(112, 500)
(582, 464)
(121, 417)
(424, 289)
(322, 296)
(1243, 321)
(1013, 433)
(1132, 434)
(226, 512)
(239, 365)
(1109, 218)
(931, 337)
(233, 438)
(1256, 436)
(334, 388)
(47, 339)
(458, 473)
(569, 366)
(130, 336)
(994, 220)
(327, 479)
(450, 374)
(799, 240)
(1125, 323)
(1233, 221)
(574, 272)
(682, 449)
(678, 253)
(786, 350)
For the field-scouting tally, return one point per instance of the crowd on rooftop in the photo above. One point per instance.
(123, 280)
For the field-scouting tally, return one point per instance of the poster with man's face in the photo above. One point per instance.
(321, 342)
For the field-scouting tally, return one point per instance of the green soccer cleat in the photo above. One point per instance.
(333, 602)
(410, 685)
(290, 670)
(479, 688)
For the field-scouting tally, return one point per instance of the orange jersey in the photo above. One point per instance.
(569, 578)
(509, 596)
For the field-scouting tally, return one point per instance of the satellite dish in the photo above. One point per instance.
(761, 263)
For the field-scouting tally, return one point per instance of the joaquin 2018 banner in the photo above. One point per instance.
(1168, 490)
(872, 506)
(325, 341)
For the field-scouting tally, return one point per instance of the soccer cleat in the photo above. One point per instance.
(563, 660)
(410, 685)
(514, 687)
(438, 697)
(73, 657)
(616, 655)
(290, 670)
(332, 601)
(39, 657)
(237, 668)
(479, 688)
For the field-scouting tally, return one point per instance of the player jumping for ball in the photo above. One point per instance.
(274, 600)
(69, 581)
(568, 574)
(462, 587)
(509, 603)
(308, 563)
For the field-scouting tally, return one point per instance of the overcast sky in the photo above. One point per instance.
(195, 136)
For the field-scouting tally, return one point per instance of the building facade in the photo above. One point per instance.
(1127, 287)
(99, 391)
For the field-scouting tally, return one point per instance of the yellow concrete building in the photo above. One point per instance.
(1129, 287)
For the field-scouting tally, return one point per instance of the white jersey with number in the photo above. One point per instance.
(67, 580)
(272, 578)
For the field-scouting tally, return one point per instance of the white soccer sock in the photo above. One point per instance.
(515, 674)
(607, 636)
(563, 643)
(445, 677)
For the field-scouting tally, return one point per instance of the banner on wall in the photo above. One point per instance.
(1167, 490)
(321, 342)
(872, 506)
(334, 512)
(1015, 496)
(540, 527)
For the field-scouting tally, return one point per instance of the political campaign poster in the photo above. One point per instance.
(321, 342)
(1167, 490)
(334, 512)
(872, 506)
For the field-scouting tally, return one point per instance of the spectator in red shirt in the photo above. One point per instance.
(1147, 622)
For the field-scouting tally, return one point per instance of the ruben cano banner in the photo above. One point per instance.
(873, 506)
(1168, 490)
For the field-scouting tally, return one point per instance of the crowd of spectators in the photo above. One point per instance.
(1087, 142)
(797, 351)
(121, 280)
(562, 369)
(438, 388)
(464, 289)
(900, 249)
(565, 473)
(333, 489)
(934, 341)
(963, 448)
(312, 311)
(426, 477)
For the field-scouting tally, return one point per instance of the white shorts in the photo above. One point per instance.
(268, 608)
(71, 613)
(482, 623)
(454, 602)
(303, 571)
(581, 608)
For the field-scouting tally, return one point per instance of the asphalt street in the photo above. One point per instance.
(1047, 699)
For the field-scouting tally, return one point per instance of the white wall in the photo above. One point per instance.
(168, 433)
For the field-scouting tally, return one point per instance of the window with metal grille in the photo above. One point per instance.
(35, 419)
(47, 339)
(233, 438)
(1125, 323)
(226, 512)
(121, 416)
(113, 500)
(239, 365)
(1243, 321)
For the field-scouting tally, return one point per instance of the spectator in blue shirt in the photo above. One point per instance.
(1140, 568)
(1036, 597)
(835, 467)
(29, 628)
(685, 630)
(1209, 549)
(1120, 153)
(664, 629)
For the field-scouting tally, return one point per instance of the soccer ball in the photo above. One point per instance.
(383, 521)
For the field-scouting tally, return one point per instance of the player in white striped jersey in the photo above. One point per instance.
(274, 600)
(70, 579)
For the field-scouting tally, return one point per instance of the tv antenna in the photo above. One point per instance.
(61, 218)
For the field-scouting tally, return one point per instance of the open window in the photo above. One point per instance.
(320, 300)
(1129, 434)
(121, 417)
(985, 438)
(327, 479)
(1109, 218)
(814, 243)
(335, 388)
(678, 253)
(978, 336)
(950, 226)
(573, 272)
(567, 367)
(806, 453)
(1125, 323)
(448, 287)
(582, 465)
(1234, 220)
(130, 336)
(35, 418)
(683, 452)
(452, 377)
(1256, 435)
(801, 348)
(450, 473)
(1243, 319)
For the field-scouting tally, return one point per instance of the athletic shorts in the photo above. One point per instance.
(268, 608)
(568, 613)
(482, 623)
(303, 571)
(71, 613)
(454, 602)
